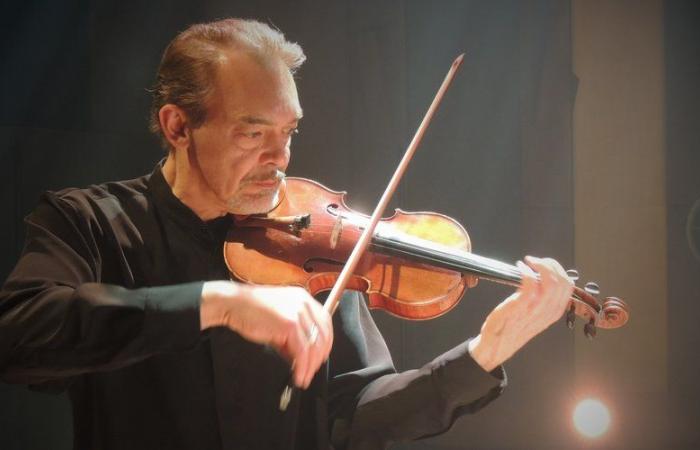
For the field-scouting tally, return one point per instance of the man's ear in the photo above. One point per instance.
(173, 122)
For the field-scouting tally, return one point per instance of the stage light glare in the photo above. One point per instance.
(591, 418)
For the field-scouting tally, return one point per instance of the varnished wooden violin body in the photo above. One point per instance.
(418, 264)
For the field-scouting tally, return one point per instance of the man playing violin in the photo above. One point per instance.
(122, 298)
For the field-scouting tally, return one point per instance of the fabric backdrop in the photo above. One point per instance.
(498, 156)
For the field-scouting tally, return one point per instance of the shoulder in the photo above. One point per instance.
(95, 207)
(105, 198)
(122, 191)
(93, 219)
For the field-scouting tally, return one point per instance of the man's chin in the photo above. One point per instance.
(257, 204)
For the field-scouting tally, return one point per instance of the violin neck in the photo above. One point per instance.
(419, 250)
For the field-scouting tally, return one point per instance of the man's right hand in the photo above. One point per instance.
(281, 317)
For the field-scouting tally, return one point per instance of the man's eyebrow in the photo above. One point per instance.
(253, 120)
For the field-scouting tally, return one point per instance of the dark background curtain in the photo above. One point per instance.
(498, 157)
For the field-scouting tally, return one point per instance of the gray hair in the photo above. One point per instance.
(188, 67)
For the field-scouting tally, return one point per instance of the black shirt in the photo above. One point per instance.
(104, 302)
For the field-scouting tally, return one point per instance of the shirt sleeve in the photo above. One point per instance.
(57, 320)
(372, 406)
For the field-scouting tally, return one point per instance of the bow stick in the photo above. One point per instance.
(333, 299)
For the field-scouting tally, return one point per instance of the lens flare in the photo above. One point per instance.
(591, 418)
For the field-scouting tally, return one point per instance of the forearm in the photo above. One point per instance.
(423, 402)
(58, 331)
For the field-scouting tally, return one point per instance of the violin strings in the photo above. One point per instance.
(438, 254)
(464, 260)
(425, 249)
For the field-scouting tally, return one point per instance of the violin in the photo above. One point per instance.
(413, 265)
(417, 266)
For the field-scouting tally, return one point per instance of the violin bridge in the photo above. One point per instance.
(337, 231)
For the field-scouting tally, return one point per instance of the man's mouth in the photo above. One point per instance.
(269, 181)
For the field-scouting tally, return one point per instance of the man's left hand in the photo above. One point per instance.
(529, 311)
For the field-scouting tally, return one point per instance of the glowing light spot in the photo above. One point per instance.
(591, 418)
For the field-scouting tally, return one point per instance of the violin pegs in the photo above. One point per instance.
(589, 330)
(571, 317)
(573, 274)
(592, 288)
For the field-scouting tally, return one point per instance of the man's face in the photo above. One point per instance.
(243, 146)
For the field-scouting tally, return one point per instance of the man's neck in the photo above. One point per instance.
(188, 186)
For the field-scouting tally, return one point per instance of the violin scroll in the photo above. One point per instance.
(612, 312)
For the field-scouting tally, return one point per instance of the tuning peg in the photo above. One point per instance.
(573, 274)
(571, 317)
(589, 330)
(592, 288)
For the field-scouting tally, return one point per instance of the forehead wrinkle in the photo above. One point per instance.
(269, 82)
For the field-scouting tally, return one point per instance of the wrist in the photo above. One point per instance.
(482, 354)
(218, 299)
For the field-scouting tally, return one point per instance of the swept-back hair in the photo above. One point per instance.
(188, 67)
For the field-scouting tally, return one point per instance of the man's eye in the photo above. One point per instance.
(249, 140)
(293, 131)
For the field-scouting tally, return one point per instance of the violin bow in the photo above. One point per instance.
(334, 297)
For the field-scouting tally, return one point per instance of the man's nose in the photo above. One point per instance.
(277, 150)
